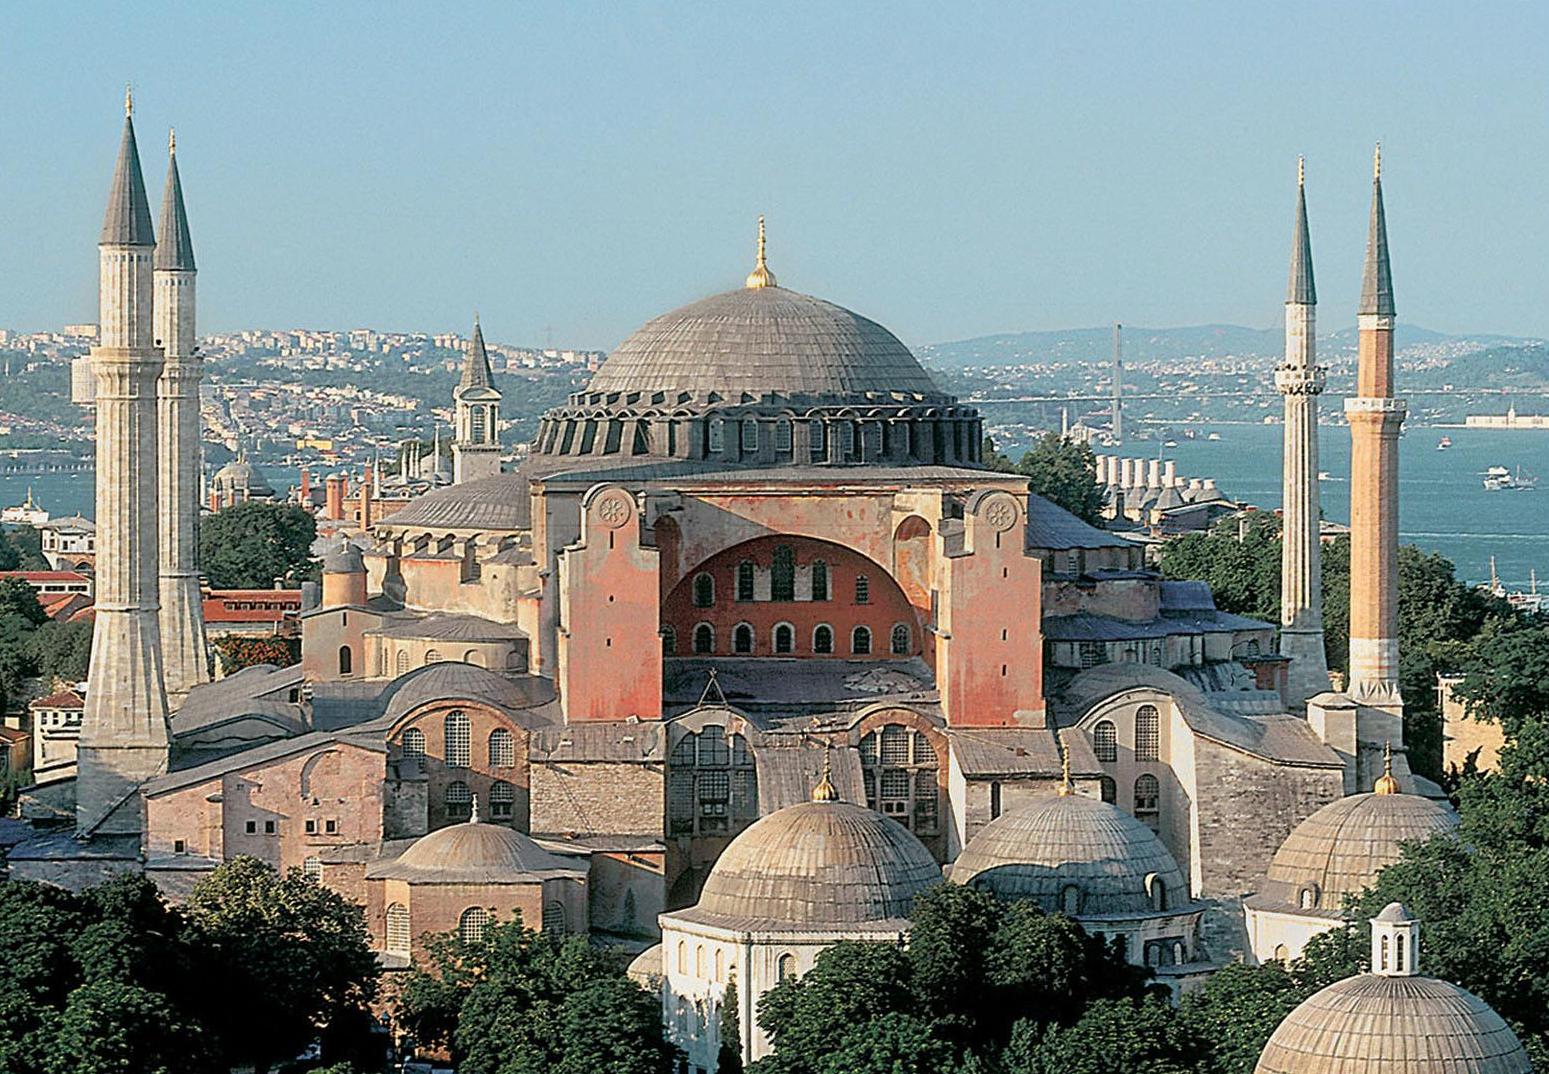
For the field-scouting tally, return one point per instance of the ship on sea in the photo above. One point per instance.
(1444, 443)
(1502, 479)
(26, 513)
(1532, 601)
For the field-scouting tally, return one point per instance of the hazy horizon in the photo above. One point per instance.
(951, 173)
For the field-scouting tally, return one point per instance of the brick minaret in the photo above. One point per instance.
(1300, 379)
(1375, 417)
(124, 729)
(476, 449)
(182, 615)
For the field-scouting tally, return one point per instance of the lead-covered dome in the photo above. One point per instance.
(1339, 850)
(474, 853)
(820, 865)
(763, 341)
(1116, 865)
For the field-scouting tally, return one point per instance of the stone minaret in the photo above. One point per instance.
(476, 449)
(124, 730)
(1300, 379)
(182, 614)
(1375, 417)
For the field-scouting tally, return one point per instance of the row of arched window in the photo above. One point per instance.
(458, 746)
(900, 768)
(458, 800)
(711, 782)
(1148, 721)
(703, 968)
(782, 640)
(782, 581)
(403, 662)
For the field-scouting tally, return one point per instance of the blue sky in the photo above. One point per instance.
(947, 169)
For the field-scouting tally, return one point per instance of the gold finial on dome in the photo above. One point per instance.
(1301, 171)
(172, 141)
(1067, 788)
(1386, 783)
(1377, 162)
(824, 791)
(128, 101)
(761, 276)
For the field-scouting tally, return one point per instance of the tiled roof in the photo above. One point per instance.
(611, 741)
(1055, 528)
(64, 699)
(176, 248)
(443, 627)
(128, 219)
(1012, 752)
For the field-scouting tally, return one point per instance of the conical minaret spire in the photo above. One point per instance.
(476, 370)
(183, 642)
(1375, 418)
(476, 444)
(1301, 380)
(124, 731)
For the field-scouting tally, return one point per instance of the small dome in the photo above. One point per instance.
(1339, 850)
(474, 853)
(453, 680)
(763, 340)
(1393, 1025)
(346, 559)
(1039, 850)
(241, 474)
(819, 864)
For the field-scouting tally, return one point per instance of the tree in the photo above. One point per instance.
(729, 1059)
(61, 652)
(111, 1027)
(251, 544)
(237, 652)
(1236, 1011)
(1062, 471)
(1113, 1036)
(891, 1043)
(850, 984)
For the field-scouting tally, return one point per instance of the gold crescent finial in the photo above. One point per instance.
(761, 276)
(1377, 162)
(172, 141)
(1301, 171)
(824, 791)
(128, 100)
(1386, 783)
(1066, 788)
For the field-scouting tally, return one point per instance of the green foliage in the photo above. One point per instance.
(891, 1043)
(238, 652)
(729, 1059)
(522, 1002)
(1112, 1036)
(1060, 470)
(20, 617)
(61, 652)
(1236, 1011)
(111, 1027)
(21, 549)
(1239, 558)
(251, 544)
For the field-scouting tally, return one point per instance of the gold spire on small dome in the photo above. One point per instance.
(824, 791)
(1386, 783)
(1066, 788)
(761, 276)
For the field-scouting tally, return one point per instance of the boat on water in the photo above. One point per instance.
(1502, 479)
(1324, 475)
(1444, 443)
(26, 513)
(1213, 436)
(1533, 602)
(1169, 443)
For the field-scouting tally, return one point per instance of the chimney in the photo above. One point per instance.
(333, 493)
(306, 485)
(1170, 473)
(1154, 473)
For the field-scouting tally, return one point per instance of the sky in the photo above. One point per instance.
(951, 170)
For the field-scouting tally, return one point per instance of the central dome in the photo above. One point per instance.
(760, 341)
(819, 864)
(474, 853)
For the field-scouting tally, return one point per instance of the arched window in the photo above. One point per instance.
(1398, 952)
(860, 641)
(711, 781)
(782, 439)
(459, 800)
(704, 638)
(720, 965)
(995, 799)
(1158, 893)
(819, 580)
(470, 927)
(1282, 953)
(900, 639)
(815, 434)
(502, 748)
(401, 663)
(782, 574)
(432, 656)
(862, 589)
(742, 638)
(1384, 953)
(346, 660)
(669, 641)
(745, 580)
(704, 591)
(398, 938)
(717, 434)
(784, 638)
(1105, 741)
(899, 767)
(699, 962)
(682, 957)
(1147, 733)
(1109, 789)
(459, 746)
(474, 657)
(785, 967)
(750, 434)
(1070, 900)
(312, 868)
(1148, 799)
(414, 743)
(1307, 898)
(502, 800)
(554, 918)
(823, 638)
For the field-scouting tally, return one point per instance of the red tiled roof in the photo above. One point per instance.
(64, 605)
(271, 605)
(46, 576)
(64, 699)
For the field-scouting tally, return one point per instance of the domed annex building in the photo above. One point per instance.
(239, 481)
(1332, 855)
(791, 885)
(1393, 1020)
(1088, 859)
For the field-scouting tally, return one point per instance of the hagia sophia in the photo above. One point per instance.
(748, 651)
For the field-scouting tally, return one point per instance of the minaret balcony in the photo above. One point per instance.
(1300, 380)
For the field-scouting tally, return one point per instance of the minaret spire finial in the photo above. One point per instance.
(1067, 788)
(1301, 171)
(824, 791)
(1386, 783)
(1377, 162)
(761, 276)
(172, 142)
(128, 100)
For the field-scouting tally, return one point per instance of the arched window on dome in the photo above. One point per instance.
(346, 660)
(819, 445)
(745, 580)
(860, 641)
(785, 966)
(1385, 955)
(1307, 898)
(669, 641)
(742, 639)
(459, 801)
(899, 767)
(414, 744)
(899, 643)
(401, 664)
(502, 748)
(704, 590)
(471, 926)
(1398, 952)
(823, 639)
(717, 435)
(1105, 741)
(555, 921)
(1156, 887)
(784, 638)
(502, 800)
(458, 741)
(1148, 800)
(1070, 900)
(398, 938)
(782, 436)
(819, 580)
(432, 656)
(711, 783)
(1108, 789)
(749, 435)
(1147, 733)
(782, 574)
(704, 639)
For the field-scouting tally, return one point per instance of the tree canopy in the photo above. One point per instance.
(1062, 471)
(251, 544)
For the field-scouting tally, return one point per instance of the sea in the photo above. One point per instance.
(1443, 504)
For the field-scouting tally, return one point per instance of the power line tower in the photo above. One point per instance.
(1118, 383)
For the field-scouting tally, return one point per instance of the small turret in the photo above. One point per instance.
(1395, 942)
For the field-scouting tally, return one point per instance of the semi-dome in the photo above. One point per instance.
(821, 864)
(474, 853)
(763, 341)
(1041, 850)
(454, 680)
(1339, 850)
